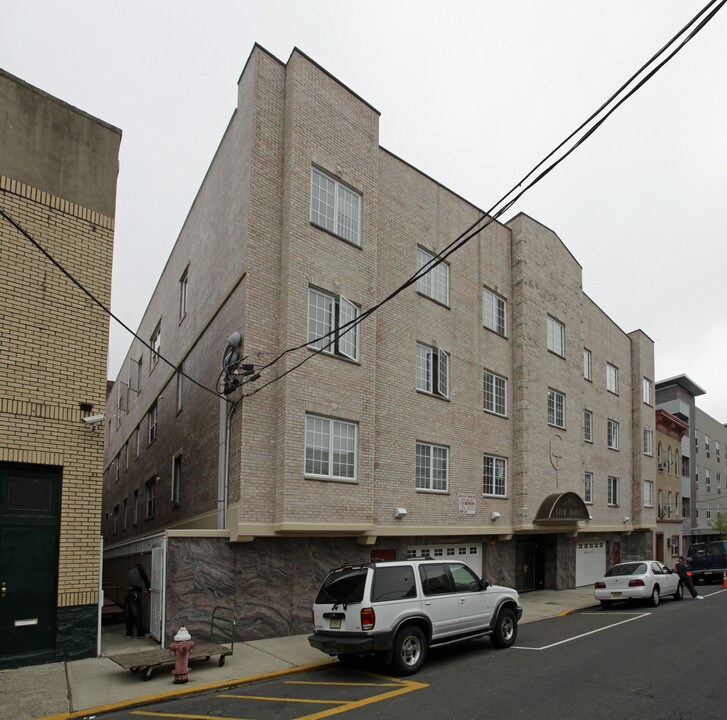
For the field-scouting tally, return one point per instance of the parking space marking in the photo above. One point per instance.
(183, 717)
(265, 698)
(582, 635)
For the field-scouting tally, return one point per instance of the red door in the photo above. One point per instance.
(616, 553)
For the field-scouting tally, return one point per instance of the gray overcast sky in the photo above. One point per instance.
(471, 93)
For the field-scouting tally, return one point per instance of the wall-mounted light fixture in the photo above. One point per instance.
(494, 515)
(400, 513)
(626, 518)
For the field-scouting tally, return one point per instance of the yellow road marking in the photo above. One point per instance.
(406, 687)
(183, 717)
(342, 684)
(279, 699)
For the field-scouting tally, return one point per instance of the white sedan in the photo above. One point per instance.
(640, 580)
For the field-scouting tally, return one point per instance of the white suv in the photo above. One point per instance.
(399, 609)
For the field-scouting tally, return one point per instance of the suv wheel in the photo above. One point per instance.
(410, 649)
(505, 629)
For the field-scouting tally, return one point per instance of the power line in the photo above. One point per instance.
(493, 214)
(87, 292)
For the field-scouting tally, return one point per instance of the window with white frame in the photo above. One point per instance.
(180, 387)
(706, 444)
(495, 393)
(556, 336)
(556, 408)
(176, 479)
(335, 207)
(328, 318)
(150, 497)
(716, 449)
(432, 467)
(588, 487)
(587, 364)
(134, 374)
(588, 426)
(612, 434)
(183, 294)
(648, 493)
(155, 342)
(648, 442)
(435, 282)
(674, 545)
(708, 479)
(495, 312)
(612, 378)
(677, 508)
(708, 510)
(494, 478)
(432, 370)
(152, 424)
(647, 391)
(330, 448)
(612, 490)
(669, 506)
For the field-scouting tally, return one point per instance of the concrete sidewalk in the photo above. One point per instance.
(87, 687)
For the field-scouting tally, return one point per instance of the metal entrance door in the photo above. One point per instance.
(29, 530)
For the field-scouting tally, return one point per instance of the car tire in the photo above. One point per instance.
(654, 599)
(505, 630)
(410, 649)
(606, 604)
(679, 594)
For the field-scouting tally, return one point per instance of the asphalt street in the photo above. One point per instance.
(632, 661)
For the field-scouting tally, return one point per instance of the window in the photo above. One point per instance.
(648, 493)
(588, 487)
(326, 315)
(587, 364)
(556, 408)
(152, 418)
(588, 426)
(556, 336)
(716, 449)
(150, 497)
(612, 378)
(647, 390)
(674, 545)
(495, 393)
(134, 372)
(138, 441)
(435, 283)
(495, 312)
(183, 294)
(180, 387)
(126, 514)
(335, 207)
(648, 442)
(669, 460)
(176, 479)
(676, 505)
(432, 370)
(155, 341)
(669, 505)
(709, 512)
(706, 444)
(495, 476)
(686, 507)
(432, 463)
(708, 479)
(612, 490)
(116, 520)
(330, 448)
(136, 507)
(612, 435)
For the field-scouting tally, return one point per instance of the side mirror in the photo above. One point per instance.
(484, 584)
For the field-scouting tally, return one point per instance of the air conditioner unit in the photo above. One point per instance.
(662, 465)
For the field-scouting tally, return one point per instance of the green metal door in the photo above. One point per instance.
(29, 527)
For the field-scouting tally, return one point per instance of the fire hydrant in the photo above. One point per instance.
(181, 647)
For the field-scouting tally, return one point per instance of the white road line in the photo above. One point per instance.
(578, 637)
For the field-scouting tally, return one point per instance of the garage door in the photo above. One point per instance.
(470, 554)
(590, 562)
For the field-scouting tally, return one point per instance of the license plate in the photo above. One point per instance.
(335, 624)
(615, 594)
(708, 572)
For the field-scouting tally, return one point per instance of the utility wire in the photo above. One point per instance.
(491, 215)
(87, 292)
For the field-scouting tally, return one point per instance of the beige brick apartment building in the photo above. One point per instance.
(58, 169)
(491, 411)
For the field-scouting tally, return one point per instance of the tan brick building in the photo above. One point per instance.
(58, 169)
(490, 411)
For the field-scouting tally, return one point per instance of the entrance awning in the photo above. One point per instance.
(559, 508)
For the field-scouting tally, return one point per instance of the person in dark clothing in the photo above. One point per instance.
(683, 570)
(138, 583)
